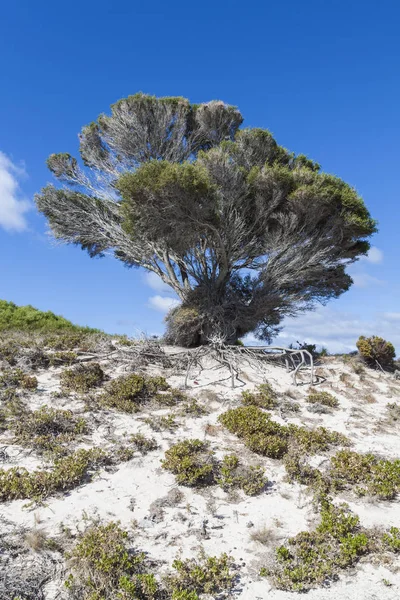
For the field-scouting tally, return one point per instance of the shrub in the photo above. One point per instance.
(183, 324)
(48, 429)
(13, 378)
(104, 566)
(264, 397)
(392, 539)
(128, 393)
(205, 575)
(266, 437)
(67, 473)
(142, 443)
(82, 378)
(324, 398)
(63, 358)
(28, 318)
(191, 461)
(232, 475)
(312, 558)
(375, 351)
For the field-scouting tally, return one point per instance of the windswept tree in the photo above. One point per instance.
(242, 230)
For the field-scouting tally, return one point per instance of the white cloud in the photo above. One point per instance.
(153, 281)
(162, 303)
(374, 256)
(364, 280)
(12, 206)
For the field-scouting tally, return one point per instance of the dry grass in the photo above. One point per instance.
(265, 536)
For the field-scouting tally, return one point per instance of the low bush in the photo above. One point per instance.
(192, 463)
(264, 397)
(376, 352)
(67, 473)
(82, 378)
(104, 566)
(266, 437)
(142, 443)
(130, 392)
(48, 429)
(14, 378)
(233, 475)
(314, 558)
(324, 398)
(204, 575)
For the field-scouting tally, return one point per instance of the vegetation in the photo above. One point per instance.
(324, 398)
(180, 190)
(48, 429)
(191, 461)
(128, 393)
(314, 558)
(67, 473)
(82, 378)
(266, 437)
(264, 397)
(28, 318)
(206, 575)
(233, 475)
(376, 352)
(14, 378)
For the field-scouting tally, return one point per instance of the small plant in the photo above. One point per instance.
(266, 437)
(67, 473)
(324, 398)
(164, 422)
(191, 461)
(128, 393)
(232, 475)
(264, 397)
(48, 429)
(104, 566)
(14, 378)
(142, 443)
(82, 378)
(393, 410)
(62, 358)
(376, 352)
(392, 539)
(205, 575)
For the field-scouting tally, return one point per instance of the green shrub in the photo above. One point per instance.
(205, 575)
(264, 397)
(266, 437)
(392, 539)
(67, 473)
(13, 378)
(324, 398)
(232, 475)
(313, 558)
(191, 461)
(28, 318)
(142, 443)
(82, 378)
(129, 392)
(63, 358)
(105, 567)
(48, 429)
(375, 351)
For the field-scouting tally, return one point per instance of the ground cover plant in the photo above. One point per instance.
(194, 464)
(267, 437)
(324, 398)
(314, 558)
(16, 378)
(82, 378)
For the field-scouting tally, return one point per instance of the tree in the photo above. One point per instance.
(242, 230)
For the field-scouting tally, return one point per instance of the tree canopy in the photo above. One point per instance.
(244, 231)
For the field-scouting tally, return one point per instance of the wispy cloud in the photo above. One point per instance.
(162, 303)
(13, 205)
(364, 280)
(153, 281)
(374, 256)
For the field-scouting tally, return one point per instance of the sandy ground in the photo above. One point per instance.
(128, 493)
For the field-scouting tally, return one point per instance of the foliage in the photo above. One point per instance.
(324, 398)
(266, 437)
(191, 461)
(375, 351)
(48, 429)
(67, 473)
(129, 392)
(142, 443)
(244, 231)
(313, 558)
(232, 475)
(14, 378)
(82, 378)
(206, 575)
(28, 318)
(104, 566)
(264, 397)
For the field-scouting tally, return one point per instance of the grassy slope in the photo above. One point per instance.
(28, 318)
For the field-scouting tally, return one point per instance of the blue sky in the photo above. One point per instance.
(324, 77)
